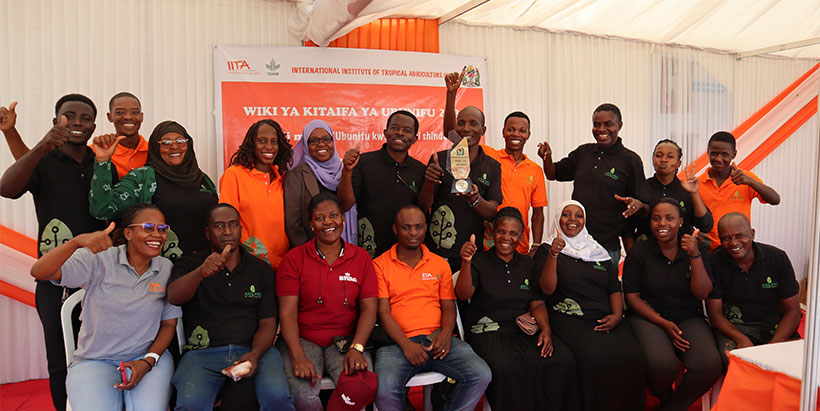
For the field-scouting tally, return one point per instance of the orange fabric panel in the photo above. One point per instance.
(17, 241)
(404, 34)
(778, 137)
(16, 293)
(749, 387)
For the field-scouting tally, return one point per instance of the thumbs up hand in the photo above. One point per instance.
(57, 135)
(351, 157)
(105, 145)
(96, 241)
(215, 262)
(689, 243)
(469, 249)
(558, 244)
(8, 117)
(434, 172)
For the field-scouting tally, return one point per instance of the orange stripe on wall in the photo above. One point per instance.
(405, 34)
(17, 241)
(17, 293)
(779, 136)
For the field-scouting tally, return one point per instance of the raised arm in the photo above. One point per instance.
(14, 180)
(453, 82)
(8, 120)
(345, 189)
(181, 290)
(48, 267)
(432, 178)
(464, 286)
(768, 194)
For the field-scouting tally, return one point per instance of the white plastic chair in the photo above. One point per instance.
(68, 328)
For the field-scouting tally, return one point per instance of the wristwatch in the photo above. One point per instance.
(155, 356)
(358, 347)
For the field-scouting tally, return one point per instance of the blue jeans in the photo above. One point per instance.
(199, 378)
(471, 373)
(90, 386)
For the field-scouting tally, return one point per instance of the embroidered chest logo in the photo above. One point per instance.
(683, 206)
(483, 180)
(429, 277)
(252, 293)
(348, 277)
(611, 174)
(599, 266)
(736, 196)
(769, 283)
(532, 180)
(155, 288)
(526, 285)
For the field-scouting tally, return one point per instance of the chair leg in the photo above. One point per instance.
(427, 395)
(705, 401)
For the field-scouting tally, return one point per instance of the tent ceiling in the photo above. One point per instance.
(731, 25)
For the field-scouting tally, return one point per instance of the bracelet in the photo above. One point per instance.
(475, 204)
(150, 367)
(695, 257)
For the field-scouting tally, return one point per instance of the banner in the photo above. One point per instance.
(354, 90)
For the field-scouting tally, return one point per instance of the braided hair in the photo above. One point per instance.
(245, 154)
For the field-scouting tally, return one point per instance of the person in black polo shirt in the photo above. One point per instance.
(454, 217)
(605, 175)
(755, 295)
(381, 181)
(665, 279)
(57, 172)
(229, 306)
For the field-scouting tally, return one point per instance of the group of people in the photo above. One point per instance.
(304, 263)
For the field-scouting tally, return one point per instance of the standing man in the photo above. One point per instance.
(125, 112)
(379, 182)
(754, 298)
(57, 172)
(228, 300)
(605, 175)
(417, 309)
(726, 188)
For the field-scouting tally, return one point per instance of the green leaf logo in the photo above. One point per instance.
(769, 280)
(612, 170)
(253, 289)
(526, 282)
(484, 176)
(681, 204)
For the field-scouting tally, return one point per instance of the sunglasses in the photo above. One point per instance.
(149, 227)
(179, 141)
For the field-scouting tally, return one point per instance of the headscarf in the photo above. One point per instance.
(582, 246)
(186, 174)
(327, 173)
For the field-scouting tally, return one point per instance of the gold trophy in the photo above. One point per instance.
(459, 166)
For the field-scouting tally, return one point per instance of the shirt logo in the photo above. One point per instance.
(483, 179)
(428, 277)
(769, 283)
(598, 266)
(532, 180)
(252, 293)
(736, 196)
(155, 288)
(611, 174)
(347, 400)
(683, 206)
(348, 277)
(526, 285)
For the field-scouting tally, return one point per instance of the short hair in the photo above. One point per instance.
(723, 137)
(511, 213)
(320, 198)
(408, 114)
(122, 94)
(611, 108)
(476, 109)
(127, 218)
(665, 200)
(245, 154)
(408, 206)
(216, 207)
(666, 140)
(729, 216)
(74, 97)
(519, 114)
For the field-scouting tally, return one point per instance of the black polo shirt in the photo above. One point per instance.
(754, 296)
(381, 186)
(583, 287)
(503, 290)
(228, 305)
(657, 190)
(60, 189)
(186, 211)
(452, 220)
(663, 284)
(598, 175)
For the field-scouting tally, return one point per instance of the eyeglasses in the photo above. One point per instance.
(179, 141)
(149, 227)
(313, 142)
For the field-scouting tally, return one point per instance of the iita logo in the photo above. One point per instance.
(273, 68)
(599, 266)
(240, 67)
(611, 174)
(252, 293)
(526, 285)
(769, 283)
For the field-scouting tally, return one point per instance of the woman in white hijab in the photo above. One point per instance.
(585, 305)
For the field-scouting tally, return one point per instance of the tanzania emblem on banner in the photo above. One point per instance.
(472, 78)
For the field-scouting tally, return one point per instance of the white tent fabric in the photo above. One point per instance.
(730, 25)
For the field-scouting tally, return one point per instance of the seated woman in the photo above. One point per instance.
(665, 280)
(127, 321)
(586, 306)
(530, 372)
(316, 168)
(253, 184)
(171, 179)
(327, 291)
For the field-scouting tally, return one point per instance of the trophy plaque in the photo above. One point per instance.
(459, 167)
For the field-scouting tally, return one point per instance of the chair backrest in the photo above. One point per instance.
(458, 314)
(180, 335)
(68, 325)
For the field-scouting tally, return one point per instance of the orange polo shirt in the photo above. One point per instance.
(728, 198)
(415, 294)
(522, 186)
(126, 159)
(261, 210)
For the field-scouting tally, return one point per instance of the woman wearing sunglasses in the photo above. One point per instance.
(316, 168)
(119, 363)
(171, 179)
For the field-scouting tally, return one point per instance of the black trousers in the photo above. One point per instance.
(701, 360)
(49, 300)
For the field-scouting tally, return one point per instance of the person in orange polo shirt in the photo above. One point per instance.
(726, 188)
(417, 310)
(253, 184)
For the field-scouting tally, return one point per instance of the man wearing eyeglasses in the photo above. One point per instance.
(229, 309)
(381, 181)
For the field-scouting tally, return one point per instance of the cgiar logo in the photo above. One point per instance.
(273, 68)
